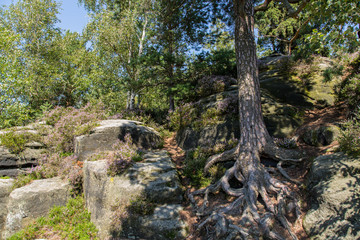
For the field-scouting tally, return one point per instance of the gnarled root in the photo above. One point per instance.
(255, 217)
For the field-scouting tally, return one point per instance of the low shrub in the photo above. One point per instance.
(69, 222)
(349, 138)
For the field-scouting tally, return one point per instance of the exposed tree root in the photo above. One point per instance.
(257, 187)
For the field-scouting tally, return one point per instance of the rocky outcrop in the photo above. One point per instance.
(335, 198)
(155, 180)
(27, 203)
(5, 189)
(108, 132)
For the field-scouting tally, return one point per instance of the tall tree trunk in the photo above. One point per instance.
(254, 141)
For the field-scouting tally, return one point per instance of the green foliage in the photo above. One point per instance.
(349, 138)
(349, 88)
(16, 141)
(69, 222)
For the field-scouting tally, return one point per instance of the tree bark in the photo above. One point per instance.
(253, 135)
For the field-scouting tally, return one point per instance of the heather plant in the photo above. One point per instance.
(285, 142)
(66, 167)
(71, 122)
(349, 138)
(182, 116)
(213, 84)
(123, 155)
(16, 141)
(68, 222)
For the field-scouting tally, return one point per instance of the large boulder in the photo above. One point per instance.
(27, 203)
(335, 198)
(155, 180)
(5, 189)
(103, 137)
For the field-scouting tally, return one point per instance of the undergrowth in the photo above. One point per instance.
(68, 222)
(195, 162)
(349, 138)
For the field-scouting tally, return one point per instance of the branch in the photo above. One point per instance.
(263, 7)
(291, 11)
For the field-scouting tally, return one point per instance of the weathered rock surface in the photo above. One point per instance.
(27, 203)
(335, 198)
(12, 164)
(5, 189)
(155, 179)
(103, 137)
(320, 135)
(164, 223)
(275, 77)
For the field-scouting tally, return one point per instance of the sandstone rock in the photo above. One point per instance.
(11, 164)
(335, 198)
(27, 203)
(104, 136)
(5, 189)
(155, 179)
(321, 135)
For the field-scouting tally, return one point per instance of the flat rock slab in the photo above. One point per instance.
(155, 179)
(103, 137)
(27, 203)
(5, 190)
(335, 198)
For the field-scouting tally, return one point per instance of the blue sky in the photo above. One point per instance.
(72, 16)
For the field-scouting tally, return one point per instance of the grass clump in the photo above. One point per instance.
(16, 141)
(68, 222)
